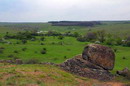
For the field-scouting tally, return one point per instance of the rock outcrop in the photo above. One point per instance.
(125, 72)
(95, 62)
(100, 55)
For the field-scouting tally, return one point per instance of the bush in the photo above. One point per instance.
(1, 51)
(110, 41)
(10, 56)
(42, 38)
(24, 41)
(42, 44)
(32, 61)
(76, 34)
(15, 51)
(115, 50)
(24, 49)
(65, 57)
(81, 39)
(43, 51)
(119, 41)
(61, 37)
(128, 43)
(91, 36)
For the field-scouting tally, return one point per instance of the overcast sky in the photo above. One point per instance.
(50, 10)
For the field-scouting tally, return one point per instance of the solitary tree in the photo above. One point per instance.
(91, 36)
(101, 35)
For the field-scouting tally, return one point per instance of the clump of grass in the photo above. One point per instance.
(65, 57)
(24, 49)
(43, 51)
(16, 51)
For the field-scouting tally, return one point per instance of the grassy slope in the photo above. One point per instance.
(56, 53)
(44, 75)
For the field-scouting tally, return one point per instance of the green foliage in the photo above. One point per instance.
(128, 43)
(101, 35)
(81, 39)
(91, 36)
(61, 37)
(24, 41)
(42, 38)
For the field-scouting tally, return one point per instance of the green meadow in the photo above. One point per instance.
(58, 50)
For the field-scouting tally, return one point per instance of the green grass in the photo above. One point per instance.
(56, 52)
(41, 75)
(117, 28)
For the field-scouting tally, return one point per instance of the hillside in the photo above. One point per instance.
(45, 75)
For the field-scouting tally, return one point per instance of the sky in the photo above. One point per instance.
(58, 10)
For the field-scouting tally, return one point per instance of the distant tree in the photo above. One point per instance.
(128, 38)
(91, 36)
(76, 34)
(118, 41)
(81, 39)
(128, 43)
(101, 35)
(53, 33)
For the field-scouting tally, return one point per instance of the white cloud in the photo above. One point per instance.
(45, 10)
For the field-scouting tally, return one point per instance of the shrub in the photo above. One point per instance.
(101, 35)
(118, 41)
(61, 37)
(43, 51)
(42, 44)
(15, 51)
(76, 34)
(42, 38)
(11, 56)
(115, 50)
(24, 49)
(24, 41)
(91, 36)
(1, 51)
(110, 41)
(65, 57)
(17, 43)
(128, 43)
(81, 39)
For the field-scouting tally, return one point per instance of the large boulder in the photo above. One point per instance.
(81, 67)
(95, 62)
(99, 55)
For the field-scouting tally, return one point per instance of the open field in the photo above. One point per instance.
(57, 51)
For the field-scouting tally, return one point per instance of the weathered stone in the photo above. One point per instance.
(81, 67)
(95, 62)
(124, 72)
(99, 55)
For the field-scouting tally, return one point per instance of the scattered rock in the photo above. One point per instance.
(125, 72)
(19, 61)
